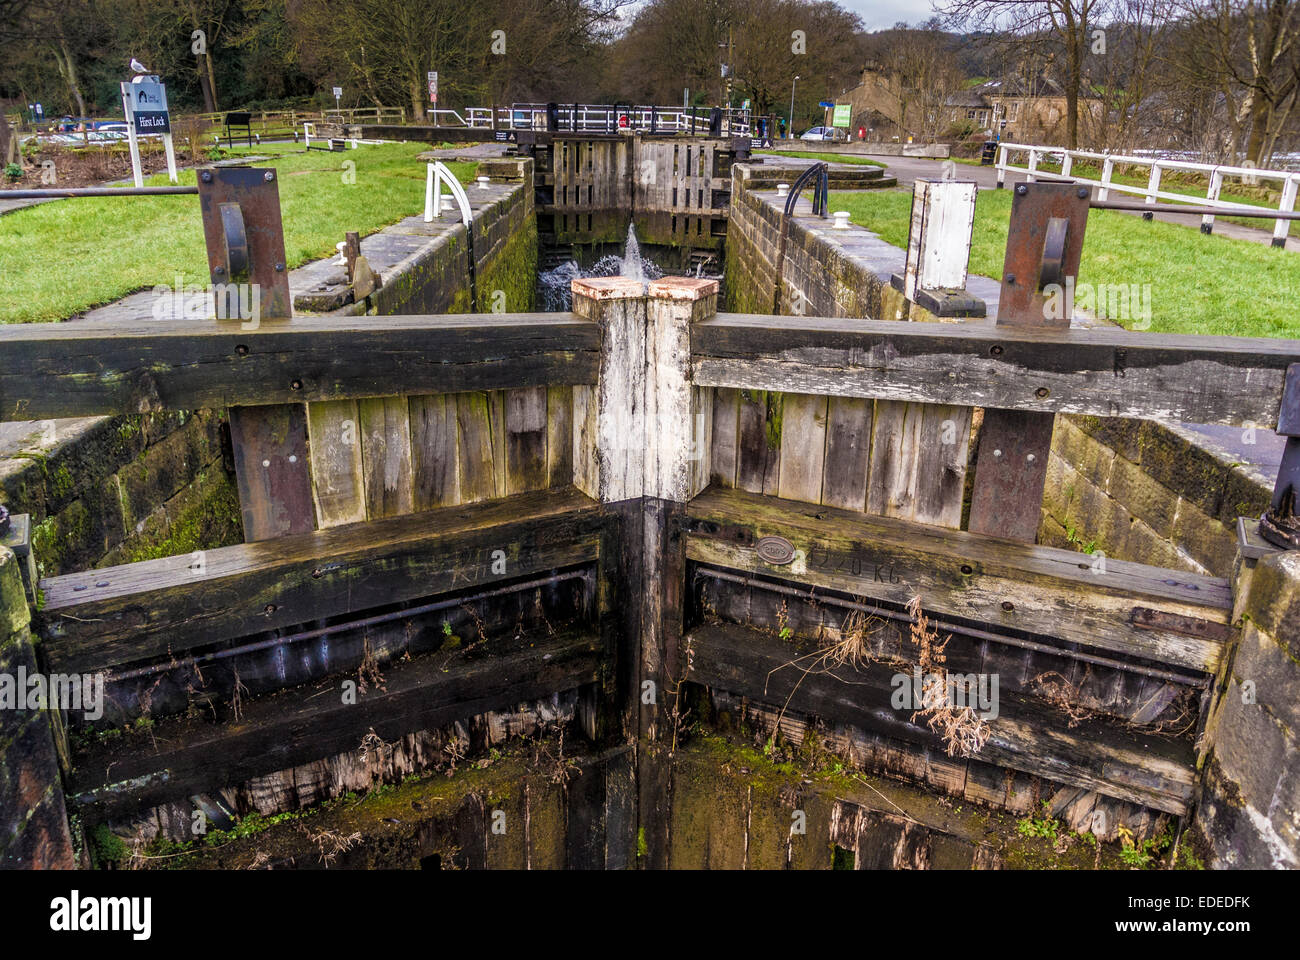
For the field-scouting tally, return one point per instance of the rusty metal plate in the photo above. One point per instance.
(1036, 245)
(1010, 471)
(1145, 618)
(775, 550)
(271, 470)
(257, 194)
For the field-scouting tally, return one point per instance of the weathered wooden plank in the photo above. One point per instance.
(918, 462)
(386, 456)
(559, 436)
(848, 443)
(1155, 770)
(586, 469)
(478, 474)
(895, 444)
(803, 447)
(753, 450)
(525, 437)
(726, 426)
(496, 405)
(85, 368)
(1042, 590)
(334, 430)
(188, 756)
(271, 470)
(435, 454)
(1104, 371)
(116, 615)
(941, 464)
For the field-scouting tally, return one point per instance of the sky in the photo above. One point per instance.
(882, 14)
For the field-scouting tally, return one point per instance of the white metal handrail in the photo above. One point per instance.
(1215, 173)
(438, 174)
(601, 118)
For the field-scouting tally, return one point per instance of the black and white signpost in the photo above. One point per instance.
(144, 99)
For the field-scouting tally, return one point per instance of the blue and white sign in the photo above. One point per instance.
(145, 100)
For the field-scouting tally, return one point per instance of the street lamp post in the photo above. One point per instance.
(792, 83)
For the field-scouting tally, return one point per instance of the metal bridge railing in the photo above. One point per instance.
(610, 118)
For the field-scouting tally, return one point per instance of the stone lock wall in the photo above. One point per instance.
(107, 490)
(1149, 492)
(33, 819)
(1248, 814)
(826, 273)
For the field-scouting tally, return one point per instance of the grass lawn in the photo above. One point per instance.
(60, 259)
(1198, 284)
(824, 155)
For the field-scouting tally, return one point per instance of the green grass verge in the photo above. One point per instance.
(826, 155)
(61, 259)
(1198, 284)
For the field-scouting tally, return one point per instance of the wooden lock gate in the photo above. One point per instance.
(641, 503)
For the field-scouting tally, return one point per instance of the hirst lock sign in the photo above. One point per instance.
(146, 106)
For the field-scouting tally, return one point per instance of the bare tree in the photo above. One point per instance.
(1065, 24)
(923, 73)
(1249, 52)
(1125, 70)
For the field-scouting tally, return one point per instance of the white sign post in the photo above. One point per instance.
(338, 92)
(433, 87)
(144, 101)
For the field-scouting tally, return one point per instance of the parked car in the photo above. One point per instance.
(825, 133)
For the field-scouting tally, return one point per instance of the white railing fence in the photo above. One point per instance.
(597, 118)
(1213, 173)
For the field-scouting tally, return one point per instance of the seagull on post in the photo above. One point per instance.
(138, 67)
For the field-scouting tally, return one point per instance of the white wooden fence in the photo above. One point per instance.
(1214, 174)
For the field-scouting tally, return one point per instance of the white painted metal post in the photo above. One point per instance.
(1107, 168)
(1282, 227)
(133, 141)
(938, 242)
(1067, 163)
(1002, 165)
(429, 208)
(1153, 187)
(1033, 165)
(171, 158)
(1211, 195)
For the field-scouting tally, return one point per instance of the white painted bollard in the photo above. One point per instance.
(483, 182)
(343, 257)
(782, 190)
(841, 219)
